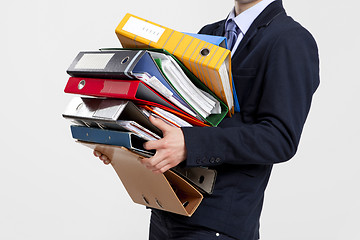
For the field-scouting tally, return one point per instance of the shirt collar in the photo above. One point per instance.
(246, 18)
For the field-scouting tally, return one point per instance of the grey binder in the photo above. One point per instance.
(115, 114)
(200, 177)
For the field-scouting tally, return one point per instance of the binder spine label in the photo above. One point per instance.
(143, 29)
(93, 61)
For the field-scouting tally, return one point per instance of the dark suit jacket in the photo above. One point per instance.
(276, 72)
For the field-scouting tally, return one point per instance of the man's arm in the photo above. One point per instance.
(290, 79)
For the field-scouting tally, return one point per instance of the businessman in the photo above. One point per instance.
(276, 71)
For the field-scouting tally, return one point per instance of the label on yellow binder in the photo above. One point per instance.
(143, 29)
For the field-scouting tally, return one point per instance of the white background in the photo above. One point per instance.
(53, 188)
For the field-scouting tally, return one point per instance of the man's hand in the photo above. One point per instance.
(102, 157)
(170, 150)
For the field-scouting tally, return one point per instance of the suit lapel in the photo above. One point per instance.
(263, 20)
(220, 30)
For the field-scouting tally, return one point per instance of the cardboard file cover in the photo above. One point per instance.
(202, 178)
(168, 191)
(210, 63)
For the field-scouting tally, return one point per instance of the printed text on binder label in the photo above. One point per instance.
(143, 29)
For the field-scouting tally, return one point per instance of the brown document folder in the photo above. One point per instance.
(167, 191)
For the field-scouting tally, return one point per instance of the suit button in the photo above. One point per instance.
(218, 160)
(212, 160)
(203, 160)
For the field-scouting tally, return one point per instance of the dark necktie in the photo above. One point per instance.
(231, 33)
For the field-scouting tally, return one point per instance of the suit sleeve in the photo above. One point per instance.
(290, 78)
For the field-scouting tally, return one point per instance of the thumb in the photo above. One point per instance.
(163, 126)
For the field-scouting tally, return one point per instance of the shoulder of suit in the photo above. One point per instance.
(210, 28)
(284, 26)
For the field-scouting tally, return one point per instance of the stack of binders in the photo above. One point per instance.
(116, 92)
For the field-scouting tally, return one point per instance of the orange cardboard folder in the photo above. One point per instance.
(167, 191)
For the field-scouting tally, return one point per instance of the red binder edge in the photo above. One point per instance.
(123, 89)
